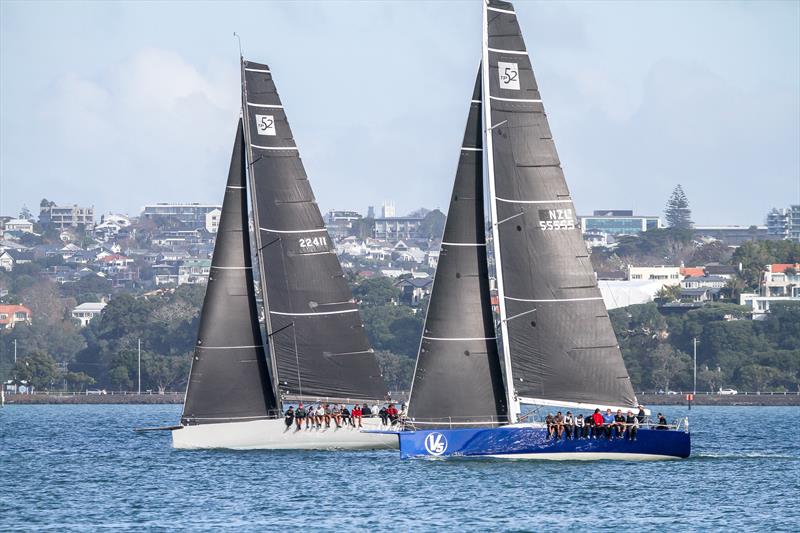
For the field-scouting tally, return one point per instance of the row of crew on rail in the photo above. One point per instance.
(324, 414)
(599, 425)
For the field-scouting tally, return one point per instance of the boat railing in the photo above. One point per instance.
(453, 422)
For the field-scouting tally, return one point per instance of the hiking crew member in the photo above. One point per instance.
(597, 424)
(632, 423)
(580, 427)
(289, 417)
(619, 424)
(299, 415)
(355, 416)
(569, 424)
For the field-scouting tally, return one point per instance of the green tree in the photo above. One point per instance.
(377, 291)
(78, 381)
(38, 368)
(758, 377)
(432, 226)
(677, 212)
(397, 370)
(669, 293)
(668, 364)
(120, 377)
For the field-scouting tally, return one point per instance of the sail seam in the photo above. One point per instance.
(528, 100)
(292, 230)
(459, 338)
(555, 300)
(471, 149)
(231, 268)
(233, 187)
(270, 106)
(533, 201)
(507, 11)
(501, 51)
(273, 147)
(464, 243)
(315, 314)
(227, 347)
(258, 70)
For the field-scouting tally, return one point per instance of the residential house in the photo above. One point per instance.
(194, 271)
(19, 224)
(164, 274)
(85, 312)
(707, 282)
(11, 258)
(781, 283)
(212, 220)
(62, 217)
(414, 290)
(12, 315)
(700, 294)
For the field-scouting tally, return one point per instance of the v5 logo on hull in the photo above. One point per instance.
(435, 443)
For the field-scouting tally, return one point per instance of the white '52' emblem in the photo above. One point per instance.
(435, 443)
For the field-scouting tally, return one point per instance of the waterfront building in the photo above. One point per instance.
(618, 222)
(62, 217)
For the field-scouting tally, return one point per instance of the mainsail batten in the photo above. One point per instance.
(229, 380)
(318, 345)
(559, 338)
(457, 379)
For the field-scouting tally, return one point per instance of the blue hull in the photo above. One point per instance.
(532, 443)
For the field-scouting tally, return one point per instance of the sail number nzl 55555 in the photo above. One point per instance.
(556, 219)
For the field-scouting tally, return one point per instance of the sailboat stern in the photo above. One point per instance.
(525, 441)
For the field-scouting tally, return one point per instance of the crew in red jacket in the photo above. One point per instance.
(355, 415)
(597, 426)
(391, 413)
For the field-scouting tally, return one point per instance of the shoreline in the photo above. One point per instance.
(765, 400)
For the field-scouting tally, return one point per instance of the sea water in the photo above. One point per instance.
(81, 467)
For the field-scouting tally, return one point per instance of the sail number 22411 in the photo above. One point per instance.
(313, 244)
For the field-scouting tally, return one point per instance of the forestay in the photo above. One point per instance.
(317, 339)
(561, 344)
(229, 381)
(458, 379)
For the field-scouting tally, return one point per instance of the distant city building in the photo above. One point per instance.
(617, 222)
(12, 315)
(192, 216)
(731, 235)
(397, 228)
(61, 217)
(781, 283)
(784, 223)
(85, 312)
(671, 275)
(340, 223)
(388, 210)
(212, 220)
(194, 271)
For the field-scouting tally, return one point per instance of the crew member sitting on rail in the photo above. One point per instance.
(619, 424)
(559, 422)
(366, 411)
(319, 415)
(288, 417)
(608, 423)
(346, 416)
(300, 415)
(392, 413)
(580, 427)
(569, 424)
(355, 416)
(549, 421)
(632, 424)
(597, 424)
(662, 422)
(384, 416)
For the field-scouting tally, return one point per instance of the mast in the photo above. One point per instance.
(488, 126)
(276, 390)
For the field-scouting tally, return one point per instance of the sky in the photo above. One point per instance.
(121, 104)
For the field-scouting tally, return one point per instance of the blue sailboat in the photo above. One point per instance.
(548, 341)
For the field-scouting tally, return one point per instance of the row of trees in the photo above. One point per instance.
(732, 350)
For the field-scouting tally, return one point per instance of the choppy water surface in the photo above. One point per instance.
(75, 467)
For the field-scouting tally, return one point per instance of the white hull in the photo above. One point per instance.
(273, 435)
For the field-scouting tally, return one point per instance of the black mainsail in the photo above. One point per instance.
(458, 379)
(318, 346)
(229, 380)
(554, 325)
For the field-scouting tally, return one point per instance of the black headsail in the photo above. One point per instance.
(229, 380)
(317, 340)
(557, 334)
(458, 379)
